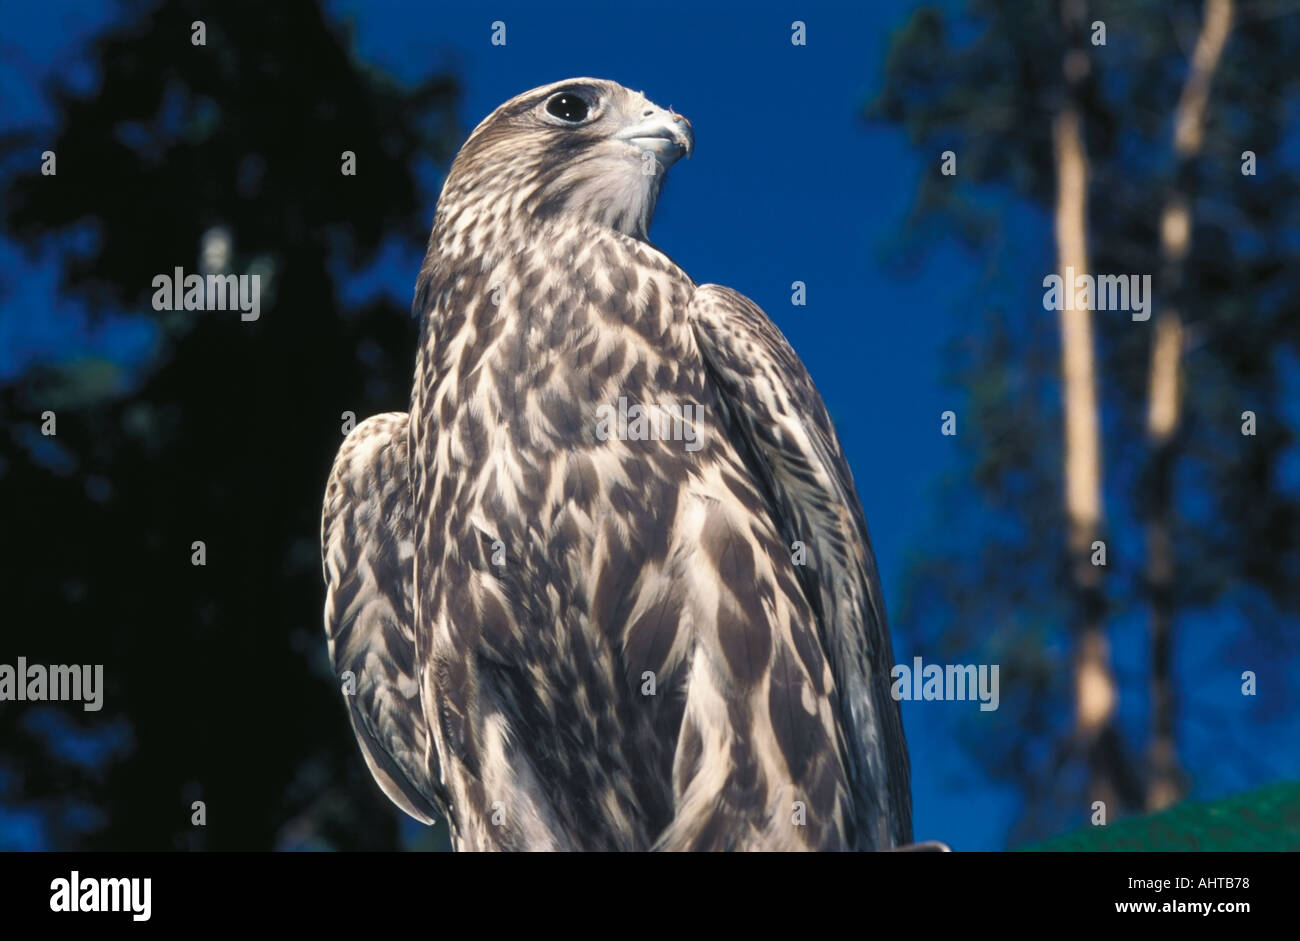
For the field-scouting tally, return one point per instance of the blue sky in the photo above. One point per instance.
(787, 184)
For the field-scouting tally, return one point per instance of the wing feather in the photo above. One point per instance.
(775, 407)
(367, 555)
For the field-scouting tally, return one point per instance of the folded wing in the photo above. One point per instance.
(367, 552)
(778, 412)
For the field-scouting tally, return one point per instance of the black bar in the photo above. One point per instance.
(866, 891)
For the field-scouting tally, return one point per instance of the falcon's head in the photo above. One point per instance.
(586, 149)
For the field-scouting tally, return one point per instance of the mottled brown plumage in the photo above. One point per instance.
(616, 643)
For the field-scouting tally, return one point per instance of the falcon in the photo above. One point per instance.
(564, 631)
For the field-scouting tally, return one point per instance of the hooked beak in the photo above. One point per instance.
(667, 135)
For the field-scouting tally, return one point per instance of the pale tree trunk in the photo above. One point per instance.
(1164, 403)
(1095, 694)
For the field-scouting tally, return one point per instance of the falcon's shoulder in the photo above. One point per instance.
(793, 450)
(367, 556)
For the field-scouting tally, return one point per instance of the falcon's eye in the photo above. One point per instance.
(568, 107)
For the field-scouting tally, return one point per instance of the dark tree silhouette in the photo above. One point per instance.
(217, 684)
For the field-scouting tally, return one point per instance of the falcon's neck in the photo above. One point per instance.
(485, 219)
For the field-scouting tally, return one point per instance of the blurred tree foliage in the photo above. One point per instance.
(218, 688)
(985, 84)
